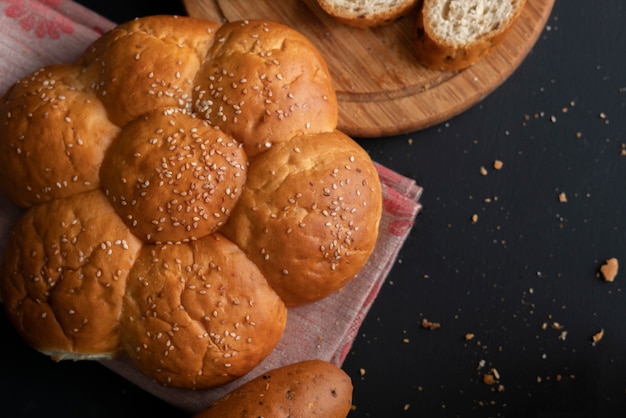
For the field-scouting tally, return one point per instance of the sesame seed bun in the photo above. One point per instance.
(54, 135)
(173, 178)
(200, 314)
(264, 83)
(147, 63)
(64, 275)
(309, 215)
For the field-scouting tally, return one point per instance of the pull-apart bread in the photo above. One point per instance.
(183, 184)
(454, 34)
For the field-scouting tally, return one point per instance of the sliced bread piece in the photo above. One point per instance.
(454, 34)
(367, 13)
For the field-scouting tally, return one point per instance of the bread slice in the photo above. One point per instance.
(367, 13)
(454, 34)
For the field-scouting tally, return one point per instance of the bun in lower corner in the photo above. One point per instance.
(452, 35)
(310, 388)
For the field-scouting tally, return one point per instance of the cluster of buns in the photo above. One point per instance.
(183, 185)
(450, 35)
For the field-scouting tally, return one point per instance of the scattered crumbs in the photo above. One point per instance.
(474, 218)
(362, 372)
(609, 269)
(483, 171)
(563, 335)
(430, 325)
(562, 197)
(469, 336)
(556, 325)
(497, 164)
(597, 336)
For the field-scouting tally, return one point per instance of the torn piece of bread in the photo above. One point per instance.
(366, 13)
(454, 34)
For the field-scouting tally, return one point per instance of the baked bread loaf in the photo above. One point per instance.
(309, 388)
(454, 34)
(131, 164)
(365, 13)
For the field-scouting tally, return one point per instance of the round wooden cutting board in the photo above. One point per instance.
(381, 87)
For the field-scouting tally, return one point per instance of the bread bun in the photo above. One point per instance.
(264, 83)
(54, 137)
(309, 215)
(367, 14)
(64, 276)
(143, 166)
(172, 177)
(200, 314)
(309, 388)
(147, 64)
(452, 35)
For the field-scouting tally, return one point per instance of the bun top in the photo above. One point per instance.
(131, 164)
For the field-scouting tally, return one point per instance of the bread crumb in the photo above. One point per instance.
(469, 336)
(407, 406)
(597, 336)
(483, 171)
(362, 371)
(474, 218)
(492, 377)
(497, 164)
(562, 197)
(488, 379)
(430, 325)
(609, 269)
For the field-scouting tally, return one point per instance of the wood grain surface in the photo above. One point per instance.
(381, 87)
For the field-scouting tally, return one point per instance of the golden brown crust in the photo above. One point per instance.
(304, 389)
(368, 15)
(439, 54)
(64, 275)
(257, 86)
(199, 315)
(173, 178)
(147, 63)
(309, 215)
(54, 135)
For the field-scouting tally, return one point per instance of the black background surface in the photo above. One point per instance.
(559, 125)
